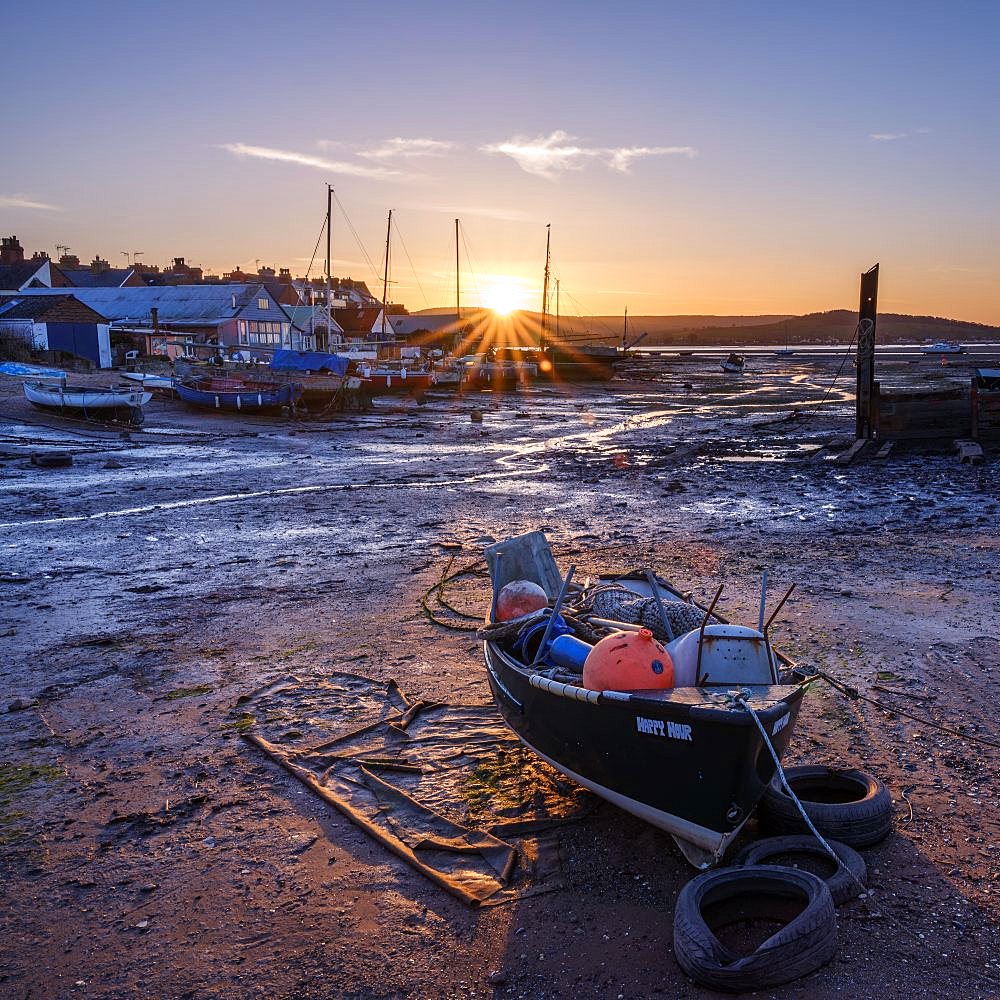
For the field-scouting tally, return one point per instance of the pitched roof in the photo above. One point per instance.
(300, 317)
(176, 305)
(84, 277)
(36, 307)
(406, 325)
(13, 276)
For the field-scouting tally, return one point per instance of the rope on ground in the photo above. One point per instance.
(855, 695)
(436, 590)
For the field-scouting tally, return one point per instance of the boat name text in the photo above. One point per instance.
(656, 727)
(781, 723)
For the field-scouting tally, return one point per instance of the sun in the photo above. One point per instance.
(504, 295)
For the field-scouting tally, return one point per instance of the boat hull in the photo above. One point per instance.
(101, 404)
(381, 382)
(245, 399)
(579, 365)
(674, 759)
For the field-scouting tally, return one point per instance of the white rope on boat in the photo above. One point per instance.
(564, 690)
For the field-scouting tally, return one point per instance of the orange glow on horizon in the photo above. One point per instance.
(504, 295)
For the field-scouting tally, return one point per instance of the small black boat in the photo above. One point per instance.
(689, 759)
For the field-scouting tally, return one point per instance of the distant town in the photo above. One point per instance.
(100, 314)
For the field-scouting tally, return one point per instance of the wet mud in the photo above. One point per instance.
(148, 850)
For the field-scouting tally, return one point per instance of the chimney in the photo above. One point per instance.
(98, 266)
(154, 315)
(11, 251)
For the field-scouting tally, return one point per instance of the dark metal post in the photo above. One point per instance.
(329, 263)
(545, 285)
(385, 276)
(867, 316)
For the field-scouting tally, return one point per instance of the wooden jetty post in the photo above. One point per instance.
(867, 316)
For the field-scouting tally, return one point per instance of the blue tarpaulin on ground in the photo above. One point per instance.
(308, 361)
(29, 371)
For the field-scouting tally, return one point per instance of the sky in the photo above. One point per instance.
(691, 158)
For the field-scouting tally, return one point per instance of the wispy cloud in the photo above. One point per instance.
(479, 211)
(22, 201)
(888, 136)
(548, 156)
(398, 148)
(308, 160)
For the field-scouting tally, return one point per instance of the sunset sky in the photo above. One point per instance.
(691, 157)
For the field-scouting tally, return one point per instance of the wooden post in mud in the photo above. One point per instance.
(867, 316)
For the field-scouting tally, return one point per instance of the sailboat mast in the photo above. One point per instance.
(385, 275)
(545, 283)
(625, 330)
(329, 242)
(458, 287)
(557, 308)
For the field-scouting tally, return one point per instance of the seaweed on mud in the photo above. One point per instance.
(187, 692)
(15, 779)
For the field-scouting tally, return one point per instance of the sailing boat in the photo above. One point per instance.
(784, 352)
(383, 377)
(564, 361)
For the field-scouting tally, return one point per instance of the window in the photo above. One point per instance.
(261, 333)
(263, 303)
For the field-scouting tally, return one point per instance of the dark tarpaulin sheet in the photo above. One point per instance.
(308, 361)
(448, 788)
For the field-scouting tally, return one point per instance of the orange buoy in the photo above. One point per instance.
(628, 661)
(520, 597)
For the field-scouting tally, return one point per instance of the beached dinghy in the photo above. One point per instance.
(150, 381)
(689, 759)
(88, 401)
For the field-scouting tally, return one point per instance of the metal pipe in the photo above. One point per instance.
(611, 623)
(763, 598)
(701, 634)
(543, 645)
(496, 589)
(655, 588)
(781, 604)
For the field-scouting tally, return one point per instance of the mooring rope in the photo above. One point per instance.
(855, 695)
(741, 699)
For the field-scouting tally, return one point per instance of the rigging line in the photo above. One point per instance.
(312, 259)
(468, 258)
(357, 238)
(829, 388)
(585, 315)
(410, 261)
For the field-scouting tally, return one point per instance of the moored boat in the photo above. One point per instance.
(690, 758)
(237, 395)
(734, 364)
(91, 402)
(943, 347)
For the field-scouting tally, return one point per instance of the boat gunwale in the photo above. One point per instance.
(653, 705)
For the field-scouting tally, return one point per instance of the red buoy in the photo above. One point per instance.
(520, 597)
(628, 661)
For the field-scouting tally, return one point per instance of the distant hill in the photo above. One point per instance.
(832, 327)
(838, 325)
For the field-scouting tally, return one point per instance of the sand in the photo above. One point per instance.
(147, 850)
